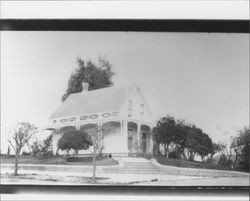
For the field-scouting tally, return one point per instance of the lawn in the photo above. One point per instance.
(57, 160)
(189, 164)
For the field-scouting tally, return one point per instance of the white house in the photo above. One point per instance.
(122, 110)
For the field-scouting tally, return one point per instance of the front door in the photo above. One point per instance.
(130, 141)
(144, 142)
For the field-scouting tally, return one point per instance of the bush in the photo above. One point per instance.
(244, 161)
(175, 154)
(224, 162)
(36, 148)
(46, 153)
(86, 159)
(26, 153)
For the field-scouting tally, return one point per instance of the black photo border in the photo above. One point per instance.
(137, 25)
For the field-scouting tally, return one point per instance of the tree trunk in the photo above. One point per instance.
(236, 158)
(166, 154)
(57, 150)
(203, 158)
(184, 154)
(211, 157)
(16, 163)
(191, 156)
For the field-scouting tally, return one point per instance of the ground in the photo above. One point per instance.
(79, 176)
(55, 178)
(57, 160)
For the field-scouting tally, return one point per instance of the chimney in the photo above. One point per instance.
(85, 86)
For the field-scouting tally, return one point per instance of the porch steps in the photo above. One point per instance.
(136, 166)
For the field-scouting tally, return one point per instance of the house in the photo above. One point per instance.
(121, 112)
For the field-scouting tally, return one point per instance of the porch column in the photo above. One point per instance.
(138, 136)
(151, 143)
(124, 129)
(99, 124)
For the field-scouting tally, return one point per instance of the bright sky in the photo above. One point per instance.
(200, 77)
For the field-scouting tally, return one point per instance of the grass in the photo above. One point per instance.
(56, 160)
(189, 164)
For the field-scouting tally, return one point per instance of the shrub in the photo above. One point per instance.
(175, 154)
(86, 159)
(26, 153)
(224, 162)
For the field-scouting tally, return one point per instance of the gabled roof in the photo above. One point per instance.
(90, 102)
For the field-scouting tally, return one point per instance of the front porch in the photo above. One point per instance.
(120, 137)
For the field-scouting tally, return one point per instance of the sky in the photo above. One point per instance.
(200, 77)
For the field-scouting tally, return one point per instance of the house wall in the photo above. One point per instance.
(136, 97)
(113, 141)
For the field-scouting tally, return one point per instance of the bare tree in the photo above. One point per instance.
(21, 134)
(96, 135)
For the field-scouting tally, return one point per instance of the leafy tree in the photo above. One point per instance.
(224, 161)
(226, 150)
(240, 145)
(215, 149)
(46, 147)
(205, 146)
(21, 134)
(96, 75)
(183, 137)
(74, 139)
(192, 140)
(164, 133)
(35, 148)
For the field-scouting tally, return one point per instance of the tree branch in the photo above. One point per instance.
(12, 145)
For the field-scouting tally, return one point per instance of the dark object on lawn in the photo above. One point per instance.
(85, 159)
(110, 156)
(26, 153)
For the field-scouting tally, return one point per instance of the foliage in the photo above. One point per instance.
(26, 153)
(74, 139)
(240, 146)
(21, 134)
(43, 149)
(35, 148)
(188, 139)
(46, 147)
(214, 149)
(164, 133)
(96, 75)
(175, 154)
(224, 161)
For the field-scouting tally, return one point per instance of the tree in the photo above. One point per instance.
(35, 148)
(215, 149)
(74, 139)
(185, 138)
(46, 146)
(164, 133)
(96, 134)
(21, 135)
(240, 146)
(226, 150)
(96, 75)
